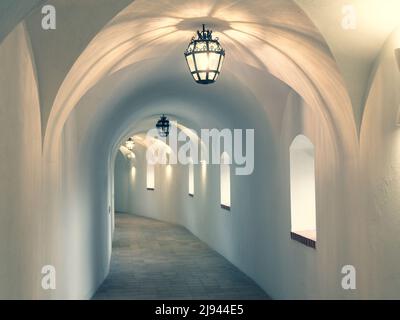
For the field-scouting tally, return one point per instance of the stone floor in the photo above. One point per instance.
(157, 260)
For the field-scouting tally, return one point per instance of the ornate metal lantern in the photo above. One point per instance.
(130, 144)
(205, 57)
(163, 126)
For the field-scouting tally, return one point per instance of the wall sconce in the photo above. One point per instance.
(130, 144)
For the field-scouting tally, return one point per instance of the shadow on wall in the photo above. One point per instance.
(380, 160)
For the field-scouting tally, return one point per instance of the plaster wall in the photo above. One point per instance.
(255, 233)
(57, 208)
(20, 169)
(380, 159)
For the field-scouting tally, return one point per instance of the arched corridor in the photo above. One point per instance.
(262, 134)
(157, 260)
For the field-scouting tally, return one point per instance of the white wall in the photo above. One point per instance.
(122, 182)
(255, 234)
(380, 159)
(20, 169)
(110, 89)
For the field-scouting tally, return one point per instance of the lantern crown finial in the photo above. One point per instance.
(204, 34)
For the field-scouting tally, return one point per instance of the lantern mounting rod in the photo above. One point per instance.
(204, 34)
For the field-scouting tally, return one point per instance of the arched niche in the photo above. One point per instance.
(302, 188)
(225, 181)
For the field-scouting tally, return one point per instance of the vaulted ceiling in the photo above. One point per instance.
(355, 50)
(80, 22)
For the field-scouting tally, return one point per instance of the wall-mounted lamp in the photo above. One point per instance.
(130, 144)
(205, 57)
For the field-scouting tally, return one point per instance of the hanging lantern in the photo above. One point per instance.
(163, 126)
(130, 144)
(205, 57)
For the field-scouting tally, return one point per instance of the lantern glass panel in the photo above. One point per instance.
(203, 75)
(190, 61)
(213, 61)
(202, 61)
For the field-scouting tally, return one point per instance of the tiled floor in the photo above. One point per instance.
(157, 260)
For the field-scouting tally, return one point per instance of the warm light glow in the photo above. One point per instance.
(202, 60)
(191, 178)
(158, 149)
(203, 171)
(127, 153)
(133, 173)
(190, 61)
(130, 38)
(150, 177)
(225, 180)
(168, 171)
(302, 187)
